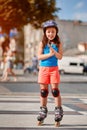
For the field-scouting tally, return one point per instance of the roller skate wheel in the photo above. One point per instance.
(39, 123)
(57, 124)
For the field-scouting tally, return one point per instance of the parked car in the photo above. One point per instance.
(85, 70)
(71, 65)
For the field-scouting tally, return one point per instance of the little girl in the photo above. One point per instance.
(8, 64)
(50, 50)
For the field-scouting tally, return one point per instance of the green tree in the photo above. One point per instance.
(17, 13)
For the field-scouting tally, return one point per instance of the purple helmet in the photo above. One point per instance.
(49, 23)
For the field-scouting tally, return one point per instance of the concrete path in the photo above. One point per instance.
(22, 111)
(63, 78)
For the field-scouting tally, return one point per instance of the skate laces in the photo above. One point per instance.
(58, 111)
(43, 111)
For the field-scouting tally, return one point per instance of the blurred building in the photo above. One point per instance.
(32, 38)
(72, 35)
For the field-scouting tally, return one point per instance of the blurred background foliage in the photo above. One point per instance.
(17, 13)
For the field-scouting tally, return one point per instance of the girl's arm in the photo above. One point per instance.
(58, 54)
(42, 56)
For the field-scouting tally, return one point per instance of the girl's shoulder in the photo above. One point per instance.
(41, 44)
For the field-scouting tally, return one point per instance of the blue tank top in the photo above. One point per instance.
(51, 61)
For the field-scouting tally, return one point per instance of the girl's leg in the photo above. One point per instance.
(5, 74)
(56, 94)
(43, 94)
(6, 71)
(5, 77)
(13, 74)
(58, 104)
(43, 100)
(11, 71)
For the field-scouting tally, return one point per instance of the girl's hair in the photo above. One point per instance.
(45, 40)
(5, 44)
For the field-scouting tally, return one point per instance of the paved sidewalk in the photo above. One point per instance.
(22, 111)
(34, 78)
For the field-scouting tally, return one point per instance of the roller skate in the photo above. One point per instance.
(58, 115)
(42, 115)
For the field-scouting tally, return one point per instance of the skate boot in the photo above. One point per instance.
(58, 115)
(42, 115)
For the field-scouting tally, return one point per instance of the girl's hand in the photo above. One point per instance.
(51, 51)
(57, 54)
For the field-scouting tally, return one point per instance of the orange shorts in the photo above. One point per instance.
(48, 75)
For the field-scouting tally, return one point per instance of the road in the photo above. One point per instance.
(19, 106)
(26, 87)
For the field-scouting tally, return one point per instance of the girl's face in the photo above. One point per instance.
(51, 33)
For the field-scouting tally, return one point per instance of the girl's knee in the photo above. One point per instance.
(55, 92)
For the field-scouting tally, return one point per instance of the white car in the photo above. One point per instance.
(71, 65)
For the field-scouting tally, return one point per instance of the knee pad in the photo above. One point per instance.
(55, 92)
(44, 93)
